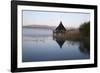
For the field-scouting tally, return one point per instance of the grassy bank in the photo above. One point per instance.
(73, 35)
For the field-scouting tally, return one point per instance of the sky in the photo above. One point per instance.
(69, 19)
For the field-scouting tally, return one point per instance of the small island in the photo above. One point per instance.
(61, 34)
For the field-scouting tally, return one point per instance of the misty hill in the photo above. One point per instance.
(40, 27)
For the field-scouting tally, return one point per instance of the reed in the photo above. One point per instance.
(72, 35)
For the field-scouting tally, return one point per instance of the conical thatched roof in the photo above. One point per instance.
(60, 27)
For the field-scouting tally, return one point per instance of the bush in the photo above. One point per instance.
(85, 29)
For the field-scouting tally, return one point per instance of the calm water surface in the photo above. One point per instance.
(40, 45)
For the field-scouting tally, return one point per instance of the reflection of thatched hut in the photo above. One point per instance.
(59, 40)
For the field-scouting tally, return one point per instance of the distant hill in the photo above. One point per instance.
(40, 26)
(47, 27)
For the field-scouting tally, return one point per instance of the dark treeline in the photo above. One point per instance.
(85, 29)
(85, 36)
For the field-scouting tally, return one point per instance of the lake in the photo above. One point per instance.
(40, 45)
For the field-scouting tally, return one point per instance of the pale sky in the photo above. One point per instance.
(68, 19)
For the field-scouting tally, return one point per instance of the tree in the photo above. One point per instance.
(85, 29)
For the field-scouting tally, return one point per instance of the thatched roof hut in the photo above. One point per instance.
(60, 28)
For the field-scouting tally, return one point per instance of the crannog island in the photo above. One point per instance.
(81, 34)
(73, 34)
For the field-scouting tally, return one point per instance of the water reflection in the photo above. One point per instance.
(51, 47)
(59, 38)
(84, 44)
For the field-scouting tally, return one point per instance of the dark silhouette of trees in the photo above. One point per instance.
(85, 29)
